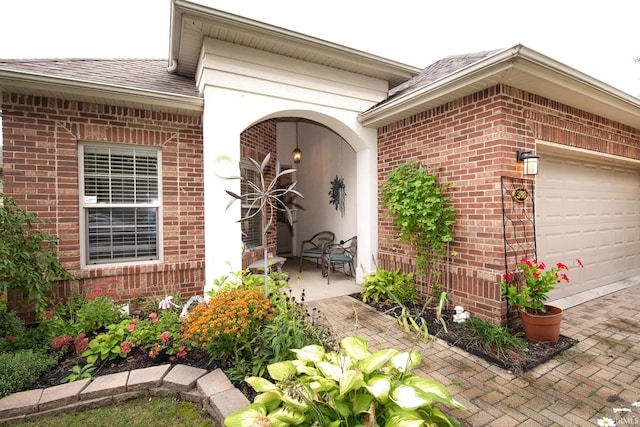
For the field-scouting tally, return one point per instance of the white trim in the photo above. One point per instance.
(543, 147)
(82, 205)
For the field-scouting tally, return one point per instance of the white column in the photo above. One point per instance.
(222, 124)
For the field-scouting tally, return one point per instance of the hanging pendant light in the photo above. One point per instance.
(297, 154)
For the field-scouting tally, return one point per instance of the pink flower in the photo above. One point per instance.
(153, 353)
(154, 318)
(181, 354)
(126, 346)
(132, 327)
(164, 337)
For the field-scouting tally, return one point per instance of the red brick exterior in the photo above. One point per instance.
(40, 150)
(473, 140)
(256, 142)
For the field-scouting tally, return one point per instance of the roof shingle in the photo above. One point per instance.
(144, 74)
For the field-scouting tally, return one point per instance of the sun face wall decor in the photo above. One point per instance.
(337, 194)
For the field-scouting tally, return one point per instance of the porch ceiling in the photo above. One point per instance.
(191, 23)
(518, 67)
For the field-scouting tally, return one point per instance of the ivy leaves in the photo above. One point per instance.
(421, 211)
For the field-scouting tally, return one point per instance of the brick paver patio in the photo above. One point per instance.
(576, 388)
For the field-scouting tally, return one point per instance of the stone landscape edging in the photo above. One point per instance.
(212, 390)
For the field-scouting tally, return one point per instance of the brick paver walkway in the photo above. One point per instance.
(577, 388)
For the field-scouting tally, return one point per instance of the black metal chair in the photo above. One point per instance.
(312, 248)
(340, 255)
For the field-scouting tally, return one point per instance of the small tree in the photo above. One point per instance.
(266, 199)
(28, 256)
(422, 215)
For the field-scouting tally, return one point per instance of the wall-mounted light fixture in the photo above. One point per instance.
(530, 159)
(297, 154)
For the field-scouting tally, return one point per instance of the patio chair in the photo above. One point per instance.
(340, 255)
(312, 248)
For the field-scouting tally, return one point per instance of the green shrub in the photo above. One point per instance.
(351, 388)
(28, 256)
(20, 369)
(387, 285)
(96, 314)
(11, 329)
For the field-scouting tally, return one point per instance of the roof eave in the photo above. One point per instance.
(72, 89)
(281, 41)
(519, 67)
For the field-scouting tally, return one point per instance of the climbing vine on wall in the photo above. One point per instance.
(422, 214)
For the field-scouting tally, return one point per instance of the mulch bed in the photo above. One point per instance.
(534, 355)
(456, 335)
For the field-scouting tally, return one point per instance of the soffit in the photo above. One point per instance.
(191, 23)
(519, 67)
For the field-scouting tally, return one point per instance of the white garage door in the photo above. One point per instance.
(588, 207)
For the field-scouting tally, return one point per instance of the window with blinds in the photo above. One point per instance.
(120, 203)
(252, 217)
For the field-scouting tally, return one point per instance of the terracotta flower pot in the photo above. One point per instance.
(542, 327)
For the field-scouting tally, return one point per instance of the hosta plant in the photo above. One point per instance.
(352, 387)
(387, 285)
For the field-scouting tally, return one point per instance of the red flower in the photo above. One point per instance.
(126, 346)
(579, 262)
(181, 354)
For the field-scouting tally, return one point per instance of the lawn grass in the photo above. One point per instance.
(157, 411)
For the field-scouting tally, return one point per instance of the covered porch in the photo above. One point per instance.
(314, 286)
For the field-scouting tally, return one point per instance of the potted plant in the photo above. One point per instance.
(541, 322)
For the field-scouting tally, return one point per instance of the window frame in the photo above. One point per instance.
(86, 203)
(246, 166)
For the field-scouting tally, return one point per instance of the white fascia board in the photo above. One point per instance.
(497, 69)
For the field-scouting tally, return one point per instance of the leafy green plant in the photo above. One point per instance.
(20, 369)
(158, 333)
(352, 387)
(96, 314)
(292, 326)
(79, 373)
(11, 329)
(389, 285)
(494, 339)
(422, 214)
(106, 346)
(29, 261)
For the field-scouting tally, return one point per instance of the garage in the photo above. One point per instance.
(588, 207)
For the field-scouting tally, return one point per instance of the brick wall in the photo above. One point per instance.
(256, 142)
(41, 138)
(473, 141)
